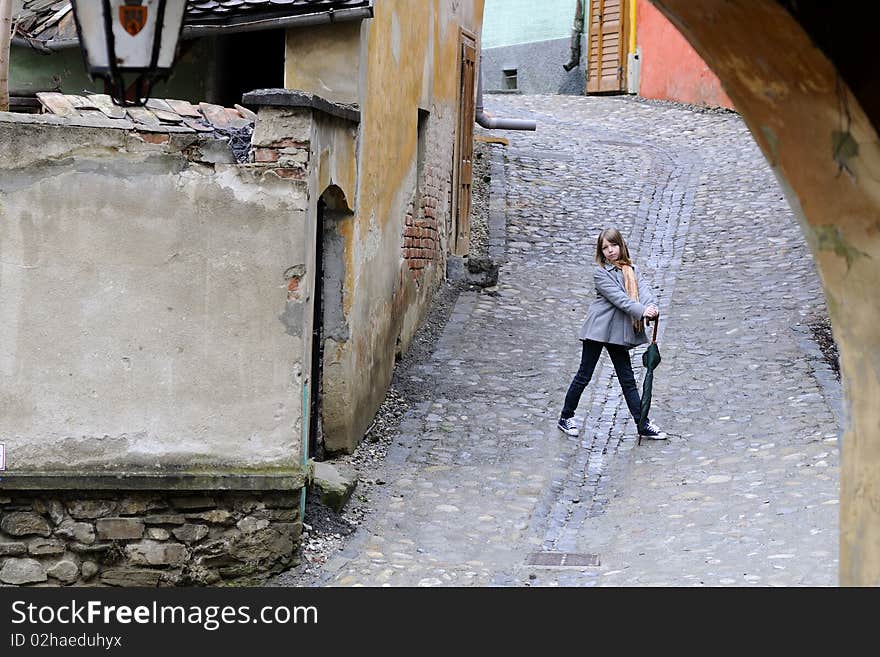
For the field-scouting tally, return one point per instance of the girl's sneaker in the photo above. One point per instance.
(653, 432)
(568, 425)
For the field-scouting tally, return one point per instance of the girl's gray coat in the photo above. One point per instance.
(610, 316)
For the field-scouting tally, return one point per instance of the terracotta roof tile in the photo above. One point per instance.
(158, 114)
(52, 20)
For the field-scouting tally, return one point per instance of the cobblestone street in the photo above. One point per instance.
(482, 489)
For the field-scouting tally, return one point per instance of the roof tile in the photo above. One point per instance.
(47, 20)
(158, 114)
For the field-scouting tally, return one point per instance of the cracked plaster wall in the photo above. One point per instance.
(145, 320)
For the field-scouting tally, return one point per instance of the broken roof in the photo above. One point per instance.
(157, 115)
(50, 22)
(231, 125)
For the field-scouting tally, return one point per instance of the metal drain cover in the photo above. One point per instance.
(562, 559)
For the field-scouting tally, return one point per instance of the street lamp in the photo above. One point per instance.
(125, 38)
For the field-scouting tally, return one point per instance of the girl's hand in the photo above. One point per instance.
(651, 312)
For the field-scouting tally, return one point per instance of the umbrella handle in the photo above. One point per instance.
(656, 321)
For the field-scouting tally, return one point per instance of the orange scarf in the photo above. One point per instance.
(632, 290)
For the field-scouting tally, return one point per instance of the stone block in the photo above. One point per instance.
(216, 516)
(455, 269)
(134, 506)
(116, 529)
(41, 546)
(96, 548)
(83, 532)
(64, 571)
(165, 519)
(89, 570)
(284, 515)
(22, 571)
(154, 553)
(53, 508)
(198, 574)
(171, 577)
(12, 549)
(190, 533)
(90, 509)
(291, 529)
(274, 126)
(25, 523)
(334, 487)
(213, 548)
(158, 533)
(130, 577)
(263, 546)
(250, 524)
(239, 570)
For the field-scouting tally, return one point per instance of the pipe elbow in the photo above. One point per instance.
(492, 123)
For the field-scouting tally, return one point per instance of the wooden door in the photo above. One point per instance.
(606, 48)
(465, 146)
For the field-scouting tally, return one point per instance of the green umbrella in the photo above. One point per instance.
(650, 359)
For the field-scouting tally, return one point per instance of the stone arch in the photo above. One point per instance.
(795, 77)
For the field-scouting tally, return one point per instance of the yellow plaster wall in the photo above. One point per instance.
(827, 155)
(324, 59)
(408, 58)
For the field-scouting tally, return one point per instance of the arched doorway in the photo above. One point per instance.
(329, 325)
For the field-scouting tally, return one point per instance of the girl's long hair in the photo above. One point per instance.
(612, 235)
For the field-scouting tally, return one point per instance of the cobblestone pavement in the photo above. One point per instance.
(481, 487)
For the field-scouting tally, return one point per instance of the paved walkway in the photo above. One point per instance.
(483, 490)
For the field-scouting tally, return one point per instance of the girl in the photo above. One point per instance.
(615, 320)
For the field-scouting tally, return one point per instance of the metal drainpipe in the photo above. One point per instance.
(306, 418)
(576, 34)
(492, 123)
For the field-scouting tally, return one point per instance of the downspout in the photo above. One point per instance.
(632, 27)
(306, 417)
(484, 119)
(576, 33)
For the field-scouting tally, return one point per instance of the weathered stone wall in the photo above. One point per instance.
(145, 538)
(152, 352)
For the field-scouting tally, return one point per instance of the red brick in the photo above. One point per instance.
(265, 155)
(289, 172)
(289, 143)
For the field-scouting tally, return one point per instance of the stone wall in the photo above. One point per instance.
(148, 538)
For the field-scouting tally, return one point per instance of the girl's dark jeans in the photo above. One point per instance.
(622, 365)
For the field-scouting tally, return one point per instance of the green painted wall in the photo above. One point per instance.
(31, 71)
(508, 22)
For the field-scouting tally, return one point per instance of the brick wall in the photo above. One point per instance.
(426, 223)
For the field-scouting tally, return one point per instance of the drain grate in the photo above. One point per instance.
(562, 559)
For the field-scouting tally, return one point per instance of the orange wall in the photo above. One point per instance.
(671, 69)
